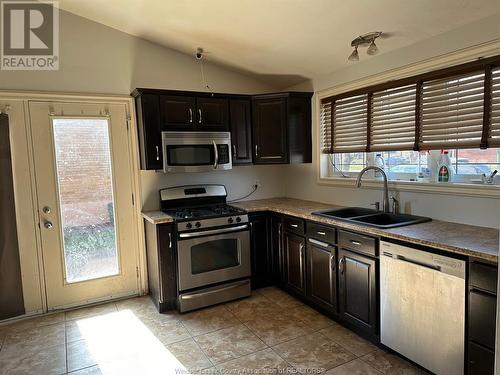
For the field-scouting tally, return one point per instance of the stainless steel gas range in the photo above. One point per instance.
(213, 245)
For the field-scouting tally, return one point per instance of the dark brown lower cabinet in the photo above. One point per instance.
(481, 360)
(357, 290)
(321, 274)
(261, 254)
(276, 243)
(294, 248)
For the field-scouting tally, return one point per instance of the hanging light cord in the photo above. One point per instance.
(205, 84)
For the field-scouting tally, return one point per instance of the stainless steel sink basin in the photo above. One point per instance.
(371, 217)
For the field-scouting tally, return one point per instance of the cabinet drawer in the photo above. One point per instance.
(481, 360)
(294, 225)
(357, 242)
(483, 276)
(482, 316)
(320, 232)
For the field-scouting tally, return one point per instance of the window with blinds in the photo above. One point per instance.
(392, 124)
(350, 124)
(326, 127)
(494, 131)
(452, 112)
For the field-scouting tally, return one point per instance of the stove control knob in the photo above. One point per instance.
(230, 220)
(189, 225)
(238, 219)
(197, 224)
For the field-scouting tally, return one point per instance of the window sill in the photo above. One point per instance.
(471, 190)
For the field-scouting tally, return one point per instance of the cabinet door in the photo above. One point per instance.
(178, 112)
(321, 275)
(276, 242)
(241, 130)
(357, 290)
(270, 131)
(212, 114)
(148, 123)
(294, 260)
(261, 266)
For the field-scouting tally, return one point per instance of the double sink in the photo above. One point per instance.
(373, 218)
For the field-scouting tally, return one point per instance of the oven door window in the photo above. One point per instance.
(185, 155)
(214, 255)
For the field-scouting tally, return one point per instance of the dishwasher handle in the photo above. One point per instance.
(413, 261)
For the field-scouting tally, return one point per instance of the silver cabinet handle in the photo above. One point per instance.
(341, 264)
(256, 150)
(157, 153)
(319, 243)
(357, 243)
(48, 225)
(169, 240)
(199, 114)
(294, 225)
(190, 115)
(332, 262)
(234, 151)
(216, 153)
(321, 233)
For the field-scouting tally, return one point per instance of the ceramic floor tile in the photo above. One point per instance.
(41, 336)
(228, 343)
(279, 297)
(348, 340)
(313, 319)
(143, 307)
(35, 322)
(391, 364)
(255, 306)
(208, 320)
(42, 360)
(356, 367)
(313, 353)
(94, 370)
(189, 355)
(263, 362)
(80, 355)
(276, 329)
(167, 332)
(87, 312)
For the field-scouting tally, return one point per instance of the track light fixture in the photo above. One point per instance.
(364, 40)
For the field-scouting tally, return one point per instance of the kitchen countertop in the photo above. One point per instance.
(469, 240)
(157, 217)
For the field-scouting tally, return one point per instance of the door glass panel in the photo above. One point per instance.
(85, 187)
(190, 155)
(214, 255)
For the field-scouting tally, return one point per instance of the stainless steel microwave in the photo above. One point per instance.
(196, 151)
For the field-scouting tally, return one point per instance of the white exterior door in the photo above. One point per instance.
(84, 188)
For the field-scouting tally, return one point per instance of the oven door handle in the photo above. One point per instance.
(216, 153)
(213, 231)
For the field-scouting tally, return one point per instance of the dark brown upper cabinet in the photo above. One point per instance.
(241, 130)
(177, 112)
(148, 123)
(212, 114)
(282, 128)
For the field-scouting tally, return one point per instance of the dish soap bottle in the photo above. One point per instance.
(379, 162)
(444, 167)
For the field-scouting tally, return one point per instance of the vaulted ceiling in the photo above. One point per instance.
(281, 41)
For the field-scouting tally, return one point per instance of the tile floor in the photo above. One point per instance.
(270, 332)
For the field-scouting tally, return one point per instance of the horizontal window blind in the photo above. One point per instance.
(452, 112)
(326, 127)
(494, 131)
(350, 124)
(392, 124)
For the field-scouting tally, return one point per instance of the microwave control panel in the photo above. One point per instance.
(223, 151)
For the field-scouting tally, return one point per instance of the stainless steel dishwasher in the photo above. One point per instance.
(422, 307)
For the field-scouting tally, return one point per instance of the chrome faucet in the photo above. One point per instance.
(385, 204)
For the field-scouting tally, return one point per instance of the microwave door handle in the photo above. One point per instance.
(216, 153)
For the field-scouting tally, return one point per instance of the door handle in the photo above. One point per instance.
(48, 225)
(46, 210)
(190, 115)
(157, 153)
(199, 114)
(216, 161)
(341, 265)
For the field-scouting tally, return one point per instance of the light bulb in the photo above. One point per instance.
(372, 49)
(354, 56)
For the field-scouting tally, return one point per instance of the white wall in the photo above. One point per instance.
(99, 59)
(301, 180)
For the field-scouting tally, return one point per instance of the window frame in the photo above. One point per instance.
(428, 69)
